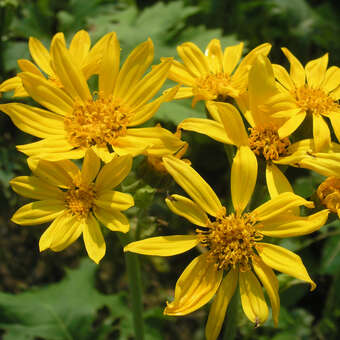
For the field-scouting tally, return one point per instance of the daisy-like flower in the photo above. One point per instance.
(315, 90)
(215, 74)
(234, 245)
(87, 58)
(76, 120)
(74, 200)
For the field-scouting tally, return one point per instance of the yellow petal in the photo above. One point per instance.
(231, 57)
(291, 124)
(283, 77)
(188, 209)
(179, 73)
(69, 73)
(109, 68)
(163, 245)
(323, 166)
(208, 127)
(271, 285)
(28, 66)
(40, 55)
(90, 168)
(112, 219)
(277, 182)
(11, 84)
(47, 94)
(184, 92)
(130, 145)
(215, 56)
(253, 303)
(80, 46)
(113, 173)
(243, 177)
(38, 212)
(316, 71)
(35, 121)
(93, 239)
(335, 120)
(297, 72)
(110, 199)
(284, 261)
(195, 287)
(332, 79)
(232, 122)
(280, 204)
(220, 305)
(33, 187)
(193, 184)
(289, 225)
(321, 134)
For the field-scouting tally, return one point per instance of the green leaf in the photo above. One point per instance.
(330, 261)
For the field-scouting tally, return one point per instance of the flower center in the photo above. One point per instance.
(315, 101)
(97, 122)
(79, 199)
(329, 193)
(266, 142)
(215, 86)
(230, 240)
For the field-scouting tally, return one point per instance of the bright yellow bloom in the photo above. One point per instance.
(74, 200)
(314, 90)
(77, 120)
(215, 74)
(234, 245)
(87, 58)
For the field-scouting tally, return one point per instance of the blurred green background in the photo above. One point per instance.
(57, 296)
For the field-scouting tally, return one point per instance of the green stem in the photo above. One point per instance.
(135, 285)
(230, 327)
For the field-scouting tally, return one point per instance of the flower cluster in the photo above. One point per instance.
(257, 109)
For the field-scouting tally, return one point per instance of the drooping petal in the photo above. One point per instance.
(283, 77)
(38, 212)
(277, 182)
(271, 285)
(112, 219)
(40, 55)
(188, 209)
(113, 173)
(90, 168)
(195, 287)
(297, 72)
(321, 134)
(253, 302)
(215, 56)
(220, 304)
(80, 46)
(316, 71)
(163, 245)
(243, 177)
(110, 199)
(231, 57)
(193, 184)
(93, 239)
(289, 225)
(284, 261)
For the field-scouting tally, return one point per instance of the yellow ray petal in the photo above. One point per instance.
(163, 245)
(283, 77)
(33, 187)
(277, 182)
(271, 285)
(110, 199)
(195, 287)
(194, 59)
(11, 84)
(231, 57)
(93, 239)
(133, 68)
(332, 79)
(90, 168)
(316, 71)
(188, 209)
(321, 134)
(46, 94)
(184, 92)
(80, 46)
(335, 120)
(214, 130)
(103, 153)
(69, 73)
(243, 177)
(179, 73)
(40, 55)
(193, 184)
(232, 122)
(280, 204)
(323, 166)
(112, 219)
(220, 305)
(253, 303)
(35, 121)
(215, 56)
(109, 68)
(284, 261)
(28, 66)
(113, 173)
(72, 234)
(130, 145)
(297, 72)
(291, 124)
(289, 225)
(38, 212)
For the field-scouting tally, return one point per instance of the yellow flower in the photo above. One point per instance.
(215, 74)
(233, 243)
(76, 120)
(329, 194)
(87, 58)
(314, 90)
(74, 200)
